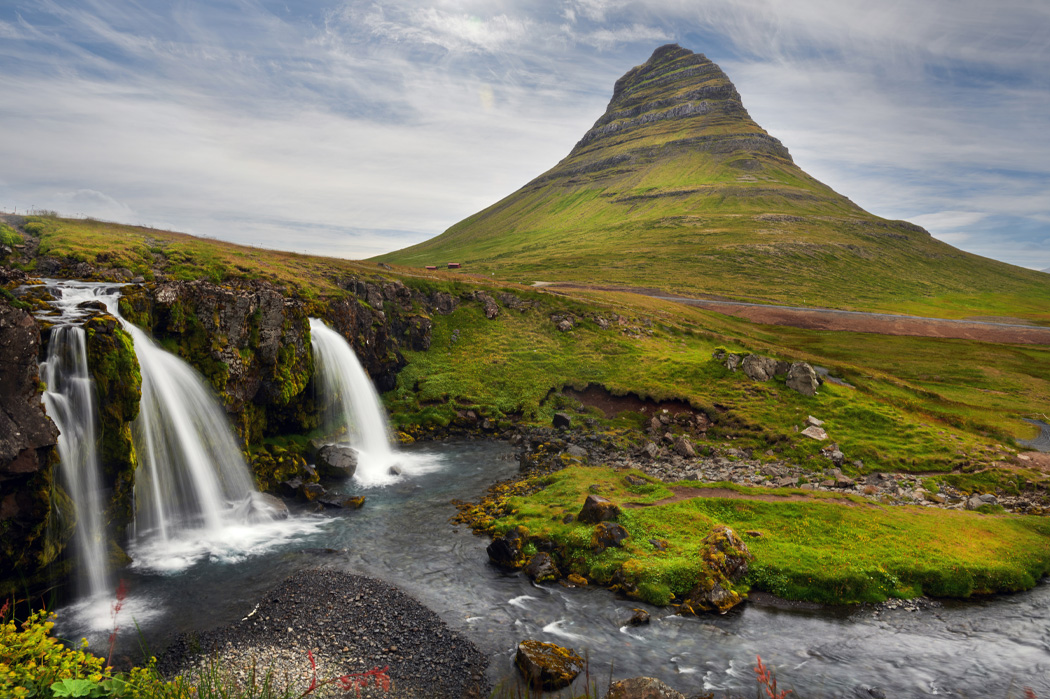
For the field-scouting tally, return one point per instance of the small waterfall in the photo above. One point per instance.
(70, 402)
(354, 404)
(191, 472)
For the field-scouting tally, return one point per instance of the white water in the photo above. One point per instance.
(194, 496)
(70, 402)
(354, 408)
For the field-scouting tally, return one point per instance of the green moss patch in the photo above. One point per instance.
(805, 547)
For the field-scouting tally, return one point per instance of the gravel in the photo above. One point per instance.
(353, 625)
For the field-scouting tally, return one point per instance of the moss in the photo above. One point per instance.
(115, 370)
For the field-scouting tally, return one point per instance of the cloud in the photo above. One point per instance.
(90, 203)
(388, 123)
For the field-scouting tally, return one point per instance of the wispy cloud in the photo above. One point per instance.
(356, 127)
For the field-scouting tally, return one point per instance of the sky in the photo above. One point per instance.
(355, 128)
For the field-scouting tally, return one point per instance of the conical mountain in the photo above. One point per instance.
(676, 187)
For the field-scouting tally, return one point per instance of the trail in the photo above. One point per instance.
(851, 321)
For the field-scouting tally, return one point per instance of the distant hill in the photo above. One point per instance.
(676, 187)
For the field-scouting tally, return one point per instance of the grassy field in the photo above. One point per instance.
(823, 548)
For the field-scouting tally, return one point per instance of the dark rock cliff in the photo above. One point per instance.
(27, 440)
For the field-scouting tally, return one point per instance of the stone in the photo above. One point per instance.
(642, 688)
(343, 502)
(837, 457)
(787, 481)
(758, 367)
(802, 378)
(491, 307)
(335, 461)
(598, 509)
(814, 422)
(547, 666)
(651, 449)
(577, 580)
(684, 448)
(659, 544)
(541, 568)
(608, 535)
(639, 617)
(576, 452)
(815, 433)
(506, 550)
(312, 491)
(395, 470)
(974, 502)
(988, 499)
(630, 479)
(561, 421)
(726, 559)
(263, 507)
(565, 325)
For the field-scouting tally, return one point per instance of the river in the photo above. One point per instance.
(991, 647)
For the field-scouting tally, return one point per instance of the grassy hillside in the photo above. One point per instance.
(916, 404)
(677, 188)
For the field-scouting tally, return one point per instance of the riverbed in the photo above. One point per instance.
(991, 647)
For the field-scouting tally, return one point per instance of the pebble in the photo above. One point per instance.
(353, 625)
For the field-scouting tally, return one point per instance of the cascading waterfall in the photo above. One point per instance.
(70, 402)
(191, 472)
(354, 404)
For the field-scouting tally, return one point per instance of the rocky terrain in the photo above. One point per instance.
(366, 638)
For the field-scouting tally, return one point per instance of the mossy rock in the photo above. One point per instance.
(547, 665)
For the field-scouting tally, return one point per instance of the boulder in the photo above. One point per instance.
(639, 617)
(561, 421)
(684, 448)
(607, 535)
(726, 558)
(598, 509)
(541, 568)
(641, 688)
(576, 452)
(491, 307)
(802, 378)
(546, 665)
(506, 550)
(815, 433)
(651, 449)
(758, 367)
(335, 461)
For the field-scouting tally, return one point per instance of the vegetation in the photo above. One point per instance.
(808, 545)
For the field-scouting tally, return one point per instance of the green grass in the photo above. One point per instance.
(895, 418)
(820, 549)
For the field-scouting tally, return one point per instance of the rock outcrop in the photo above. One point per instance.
(27, 440)
(726, 560)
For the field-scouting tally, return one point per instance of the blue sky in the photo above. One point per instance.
(355, 128)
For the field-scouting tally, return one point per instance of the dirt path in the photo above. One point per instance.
(1000, 330)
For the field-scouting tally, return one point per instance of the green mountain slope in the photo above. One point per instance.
(676, 187)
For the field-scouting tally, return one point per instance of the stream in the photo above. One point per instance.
(992, 647)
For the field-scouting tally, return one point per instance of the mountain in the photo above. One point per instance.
(676, 187)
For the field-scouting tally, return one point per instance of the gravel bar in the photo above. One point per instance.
(358, 628)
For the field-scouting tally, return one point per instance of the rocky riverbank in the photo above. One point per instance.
(363, 635)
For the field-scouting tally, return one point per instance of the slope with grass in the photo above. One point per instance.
(676, 188)
(807, 546)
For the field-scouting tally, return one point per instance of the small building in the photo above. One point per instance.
(454, 265)
(431, 268)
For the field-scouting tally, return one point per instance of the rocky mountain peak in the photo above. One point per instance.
(677, 94)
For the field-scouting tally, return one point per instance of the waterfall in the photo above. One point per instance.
(191, 472)
(354, 404)
(70, 402)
